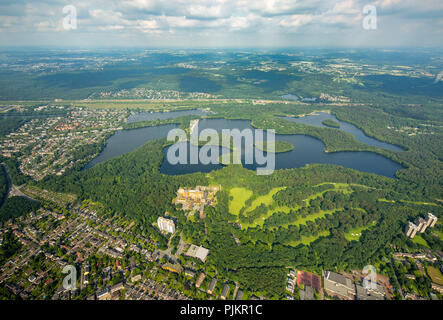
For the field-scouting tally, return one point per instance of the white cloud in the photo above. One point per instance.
(142, 4)
(349, 7)
(225, 18)
(200, 11)
(296, 20)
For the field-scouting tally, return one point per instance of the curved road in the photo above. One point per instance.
(12, 189)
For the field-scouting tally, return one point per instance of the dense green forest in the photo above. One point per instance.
(10, 246)
(12, 165)
(17, 206)
(3, 185)
(8, 124)
(331, 123)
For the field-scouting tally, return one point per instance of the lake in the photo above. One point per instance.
(306, 150)
(125, 141)
(317, 119)
(152, 116)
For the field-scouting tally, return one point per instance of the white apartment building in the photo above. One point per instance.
(167, 225)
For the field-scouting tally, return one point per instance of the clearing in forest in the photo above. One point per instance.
(239, 197)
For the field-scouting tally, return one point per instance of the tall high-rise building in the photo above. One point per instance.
(431, 220)
(167, 225)
(411, 230)
(421, 225)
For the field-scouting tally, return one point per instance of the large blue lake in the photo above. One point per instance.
(306, 150)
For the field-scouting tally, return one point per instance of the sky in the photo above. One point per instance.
(221, 23)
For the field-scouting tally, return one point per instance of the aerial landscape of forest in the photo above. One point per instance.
(87, 181)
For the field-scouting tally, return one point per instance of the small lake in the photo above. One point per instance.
(317, 119)
(306, 150)
(152, 116)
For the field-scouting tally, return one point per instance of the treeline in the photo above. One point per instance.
(295, 194)
(10, 246)
(184, 121)
(331, 123)
(262, 280)
(252, 215)
(16, 207)
(10, 124)
(3, 185)
(12, 165)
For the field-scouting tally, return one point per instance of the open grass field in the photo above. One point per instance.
(355, 234)
(435, 275)
(410, 202)
(420, 203)
(266, 199)
(270, 212)
(342, 187)
(419, 240)
(311, 217)
(308, 240)
(386, 200)
(239, 197)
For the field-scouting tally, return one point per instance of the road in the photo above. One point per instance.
(13, 191)
(168, 252)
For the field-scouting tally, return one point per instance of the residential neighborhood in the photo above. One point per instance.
(52, 146)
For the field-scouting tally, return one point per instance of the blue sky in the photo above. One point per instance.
(221, 23)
